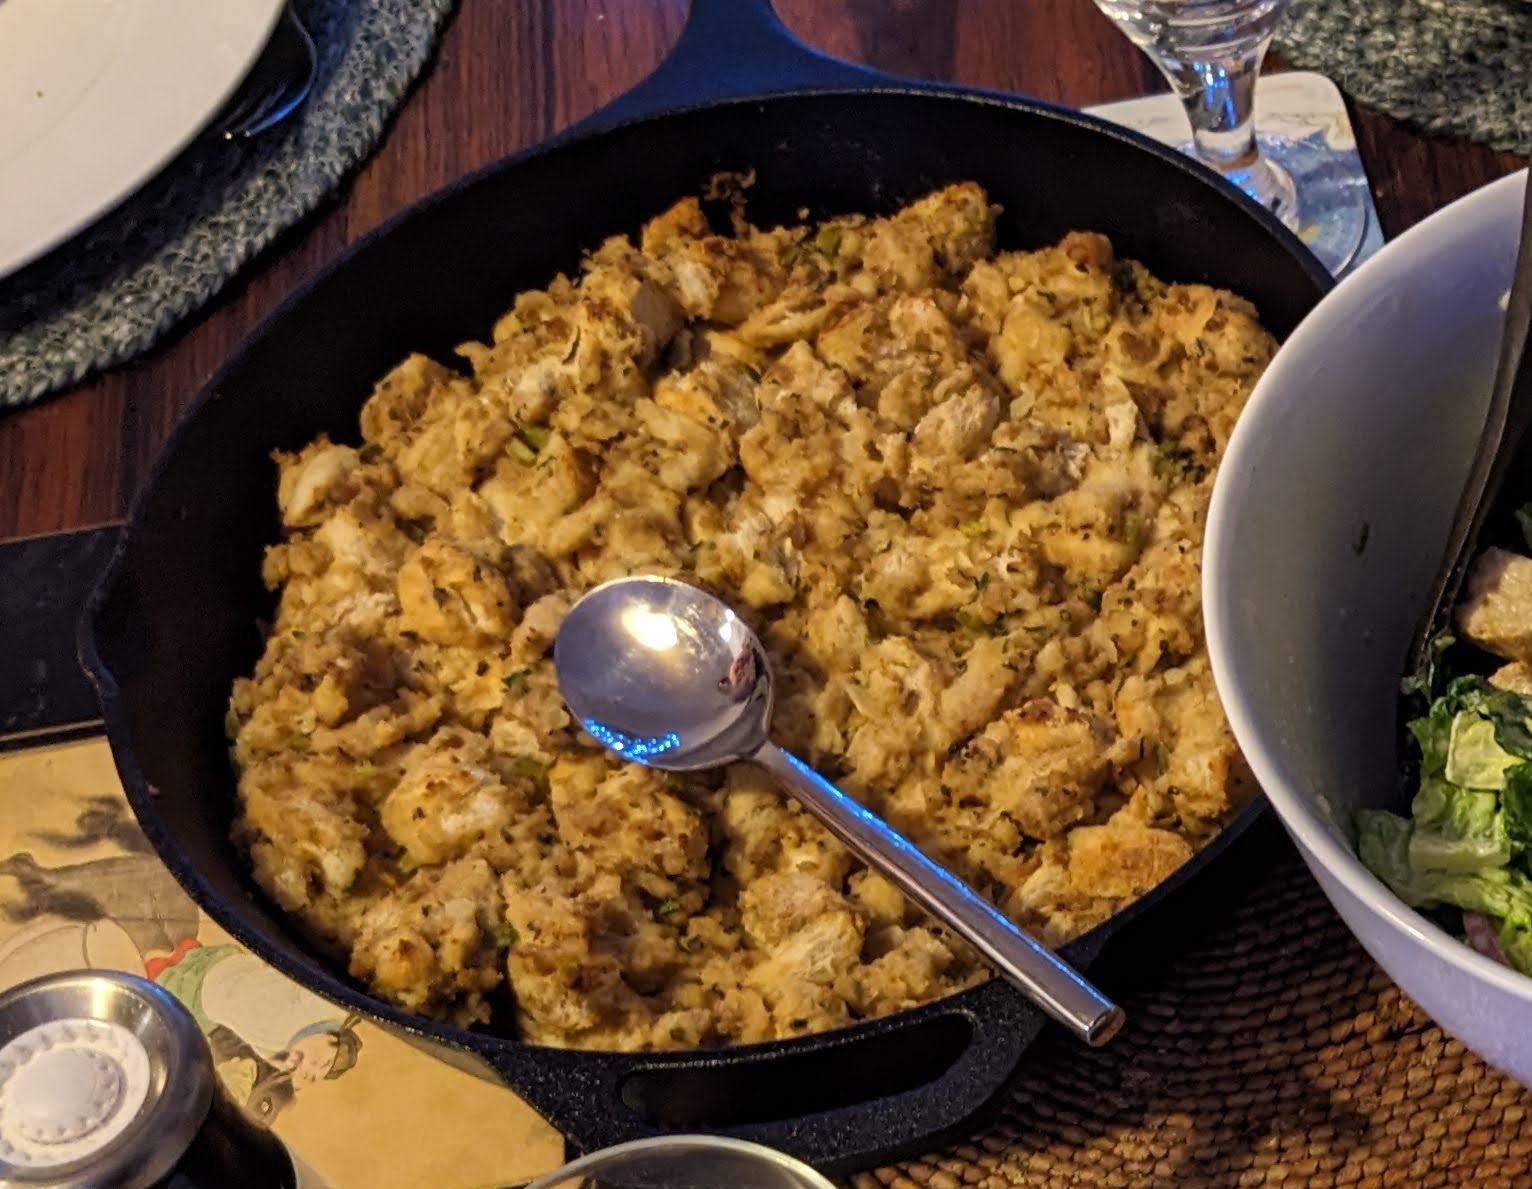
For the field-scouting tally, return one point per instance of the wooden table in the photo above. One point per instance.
(511, 72)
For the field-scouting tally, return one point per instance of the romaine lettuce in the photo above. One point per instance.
(1457, 830)
(1468, 840)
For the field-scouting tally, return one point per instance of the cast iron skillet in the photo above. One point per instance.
(175, 618)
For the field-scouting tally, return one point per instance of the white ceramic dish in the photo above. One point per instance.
(1328, 519)
(97, 95)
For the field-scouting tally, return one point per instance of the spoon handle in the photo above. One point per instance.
(1027, 965)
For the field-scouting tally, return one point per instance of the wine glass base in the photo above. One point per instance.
(1272, 186)
(1316, 193)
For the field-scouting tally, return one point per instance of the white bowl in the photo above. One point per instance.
(1328, 519)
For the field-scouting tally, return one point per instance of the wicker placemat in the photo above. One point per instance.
(113, 292)
(1453, 67)
(1273, 1053)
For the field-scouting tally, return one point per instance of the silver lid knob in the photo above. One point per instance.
(104, 1082)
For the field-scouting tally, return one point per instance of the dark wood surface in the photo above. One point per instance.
(509, 73)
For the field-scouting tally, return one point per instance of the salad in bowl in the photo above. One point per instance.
(1465, 850)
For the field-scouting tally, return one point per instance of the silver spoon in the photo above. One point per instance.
(668, 676)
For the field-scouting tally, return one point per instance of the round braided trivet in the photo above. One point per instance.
(1273, 1053)
(1452, 67)
(114, 291)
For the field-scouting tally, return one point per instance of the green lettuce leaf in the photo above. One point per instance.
(1383, 843)
(1475, 759)
(1509, 711)
(1500, 892)
(1456, 830)
(1423, 682)
(1467, 842)
(1516, 944)
(1434, 735)
(1516, 807)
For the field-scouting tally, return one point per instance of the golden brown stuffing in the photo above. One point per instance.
(958, 492)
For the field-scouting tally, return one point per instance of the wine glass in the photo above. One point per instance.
(1210, 52)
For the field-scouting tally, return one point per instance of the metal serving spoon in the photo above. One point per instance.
(1505, 425)
(668, 676)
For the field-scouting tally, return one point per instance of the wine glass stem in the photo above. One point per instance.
(1218, 93)
(1219, 98)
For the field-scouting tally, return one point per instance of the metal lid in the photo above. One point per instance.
(104, 1082)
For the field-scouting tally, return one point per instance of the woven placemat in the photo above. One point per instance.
(1272, 1053)
(111, 293)
(1452, 67)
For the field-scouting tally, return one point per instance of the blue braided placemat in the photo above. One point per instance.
(118, 288)
(1459, 68)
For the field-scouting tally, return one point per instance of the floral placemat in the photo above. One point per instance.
(356, 1106)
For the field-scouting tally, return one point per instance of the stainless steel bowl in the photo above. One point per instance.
(684, 1162)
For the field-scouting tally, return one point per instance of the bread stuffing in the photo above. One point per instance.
(958, 492)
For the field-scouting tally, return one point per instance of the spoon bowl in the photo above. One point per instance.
(668, 676)
(664, 675)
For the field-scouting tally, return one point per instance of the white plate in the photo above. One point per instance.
(97, 95)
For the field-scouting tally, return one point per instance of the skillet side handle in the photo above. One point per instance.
(729, 49)
(903, 1092)
(851, 1102)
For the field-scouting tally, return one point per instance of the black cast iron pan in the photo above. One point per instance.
(174, 620)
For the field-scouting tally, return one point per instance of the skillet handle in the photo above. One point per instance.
(729, 49)
(900, 1086)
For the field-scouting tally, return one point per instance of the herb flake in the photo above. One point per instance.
(974, 628)
(535, 436)
(520, 451)
(533, 771)
(1424, 682)
(666, 908)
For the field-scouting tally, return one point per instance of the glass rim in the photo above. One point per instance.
(602, 1157)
